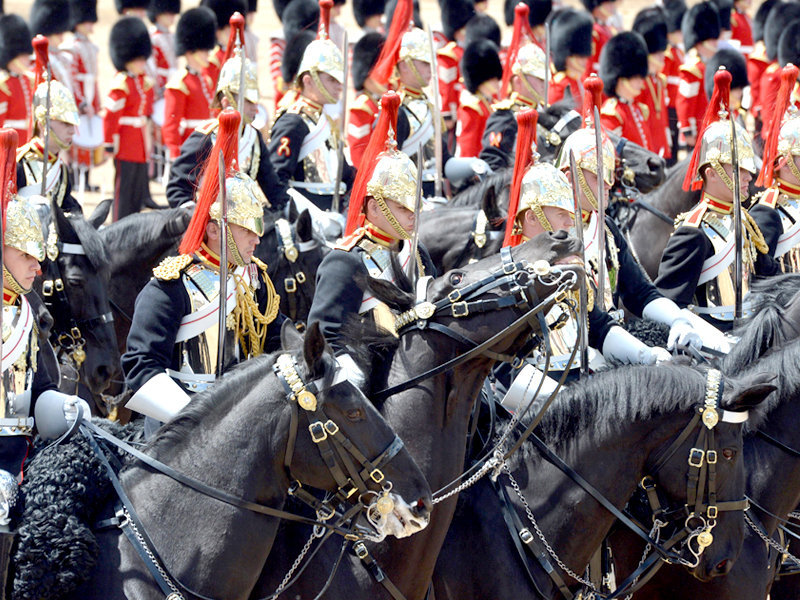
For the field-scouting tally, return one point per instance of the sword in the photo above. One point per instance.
(583, 297)
(342, 119)
(413, 272)
(547, 69)
(46, 135)
(601, 213)
(437, 118)
(738, 274)
(240, 103)
(223, 264)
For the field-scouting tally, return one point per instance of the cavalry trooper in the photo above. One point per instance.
(482, 72)
(571, 46)
(697, 266)
(380, 222)
(777, 210)
(365, 107)
(184, 175)
(524, 73)
(623, 68)
(174, 336)
(16, 83)
(304, 139)
(625, 281)
(651, 24)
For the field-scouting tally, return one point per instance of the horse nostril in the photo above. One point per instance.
(654, 164)
(102, 373)
(722, 568)
(422, 508)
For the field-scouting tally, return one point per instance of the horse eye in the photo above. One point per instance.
(355, 414)
(456, 278)
(728, 454)
(76, 282)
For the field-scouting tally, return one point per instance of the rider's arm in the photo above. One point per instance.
(288, 134)
(184, 172)
(633, 288)
(274, 189)
(682, 264)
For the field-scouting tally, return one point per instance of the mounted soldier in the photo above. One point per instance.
(571, 33)
(482, 73)
(254, 159)
(698, 265)
(16, 82)
(380, 222)
(522, 87)
(173, 342)
(55, 129)
(304, 140)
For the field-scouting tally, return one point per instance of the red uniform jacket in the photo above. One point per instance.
(628, 120)
(692, 101)
(187, 104)
(673, 59)
(559, 84)
(163, 57)
(601, 33)
(473, 112)
(742, 30)
(16, 97)
(84, 71)
(770, 82)
(362, 116)
(128, 106)
(654, 97)
(450, 85)
(757, 63)
(215, 65)
(277, 46)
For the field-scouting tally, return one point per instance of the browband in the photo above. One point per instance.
(729, 416)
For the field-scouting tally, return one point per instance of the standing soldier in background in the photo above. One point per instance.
(300, 17)
(50, 18)
(291, 62)
(651, 24)
(602, 31)
(16, 82)
(189, 94)
(482, 73)
(366, 106)
(368, 14)
(132, 8)
(223, 10)
(734, 63)
(128, 106)
(539, 10)
(571, 46)
(742, 26)
(83, 53)
(673, 59)
(455, 16)
(163, 61)
(758, 62)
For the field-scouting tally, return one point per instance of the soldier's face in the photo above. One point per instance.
(557, 217)
(332, 85)
(786, 174)
(136, 66)
(23, 267)
(20, 65)
(424, 70)
(64, 132)
(490, 87)
(403, 216)
(591, 182)
(246, 241)
(655, 62)
(628, 88)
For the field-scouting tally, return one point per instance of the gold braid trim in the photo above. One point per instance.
(251, 325)
(586, 189)
(537, 210)
(755, 235)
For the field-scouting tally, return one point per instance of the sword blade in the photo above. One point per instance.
(342, 124)
(412, 269)
(223, 264)
(583, 296)
(240, 99)
(437, 118)
(601, 213)
(46, 135)
(738, 277)
(546, 63)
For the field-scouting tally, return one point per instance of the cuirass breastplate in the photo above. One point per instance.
(17, 382)
(789, 211)
(419, 113)
(720, 291)
(321, 164)
(34, 170)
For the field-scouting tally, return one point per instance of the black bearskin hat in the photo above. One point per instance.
(570, 34)
(651, 24)
(789, 44)
(539, 11)
(391, 7)
(364, 9)
(455, 16)
(761, 18)
(293, 55)
(252, 6)
(674, 11)
(779, 17)
(700, 23)
(224, 9)
(82, 11)
(623, 56)
(280, 6)
(480, 63)
(122, 5)
(49, 17)
(15, 39)
(196, 30)
(298, 16)
(365, 55)
(590, 5)
(733, 62)
(159, 7)
(482, 27)
(725, 7)
(128, 41)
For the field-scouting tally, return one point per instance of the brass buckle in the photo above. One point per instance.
(47, 288)
(361, 550)
(460, 309)
(76, 333)
(696, 455)
(526, 536)
(59, 285)
(377, 476)
(290, 285)
(454, 296)
(647, 483)
(711, 457)
(353, 489)
(712, 512)
(301, 277)
(509, 268)
(318, 433)
(331, 427)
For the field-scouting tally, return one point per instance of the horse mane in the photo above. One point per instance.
(90, 239)
(138, 229)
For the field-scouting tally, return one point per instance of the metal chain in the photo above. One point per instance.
(775, 545)
(794, 515)
(655, 534)
(314, 535)
(176, 593)
(496, 462)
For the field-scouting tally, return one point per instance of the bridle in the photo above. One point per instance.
(296, 281)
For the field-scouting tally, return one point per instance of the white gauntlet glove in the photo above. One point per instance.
(620, 347)
(681, 330)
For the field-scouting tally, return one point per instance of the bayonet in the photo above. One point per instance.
(413, 271)
(46, 134)
(342, 124)
(738, 278)
(437, 118)
(547, 65)
(601, 213)
(223, 264)
(583, 296)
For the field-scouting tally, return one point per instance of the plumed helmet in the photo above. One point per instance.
(62, 104)
(364, 9)
(224, 9)
(479, 63)
(82, 11)
(300, 15)
(570, 35)
(365, 55)
(783, 139)
(725, 7)
(623, 56)
(482, 27)
(761, 18)
(128, 41)
(49, 17)
(734, 63)
(159, 7)
(322, 55)
(293, 55)
(123, 5)
(651, 24)
(391, 7)
(781, 15)
(455, 16)
(15, 39)
(415, 46)
(674, 9)
(230, 79)
(789, 44)
(539, 11)
(530, 61)
(196, 30)
(700, 23)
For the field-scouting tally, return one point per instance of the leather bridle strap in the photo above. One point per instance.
(777, 443)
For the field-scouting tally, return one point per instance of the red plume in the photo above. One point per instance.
(41, 49)
(522, 26)
(325, 7)
(237, 29)
(227, 143)
(390, 103)
(592, 96)
(8, 168)
(390, 53)
(527, 120)
(720, 101)
(789, 75)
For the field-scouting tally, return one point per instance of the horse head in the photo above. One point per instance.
(639, 167)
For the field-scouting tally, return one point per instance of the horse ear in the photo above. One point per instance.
(305, 228)
(752, 391)
(64, 229)
(292, 212)
(314, 348)
(98, 216)
(291, 339)
(489, 205)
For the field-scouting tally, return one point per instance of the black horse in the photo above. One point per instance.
(431, 417)
(609, 429)
(234, 437)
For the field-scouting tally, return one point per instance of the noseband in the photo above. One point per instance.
(292, 251)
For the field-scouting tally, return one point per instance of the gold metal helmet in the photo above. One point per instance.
(415, 46)
(23, 228)
(715, 146)
(246, 203)
(394, 178)
(789, 138)
(230, 79)
(530, 61)
(543, 185)
(62, 104)
(583, 144)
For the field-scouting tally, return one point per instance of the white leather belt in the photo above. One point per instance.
(16, 426)
(15, 123)
(321, 189)
(192, 123)
(194, 382)
(723, 313)
(133, 121)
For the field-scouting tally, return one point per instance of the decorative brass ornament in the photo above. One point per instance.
(705, 539)
(322, 56)
(307, 401)
(530, 61)
(415, 46)
(230, 77)
(542, 267)
(246, 204)
(385, 505)
(24, 229)
(544, 185)
(79, 355)
(710, 417)
(584, 145)
(62, 104)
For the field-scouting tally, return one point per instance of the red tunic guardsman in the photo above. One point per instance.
(83, 56)
(164, 60)
(602, 31)
(742, 26)
(224, 10)
(652, 26)
(455, 16)
(482, 72)
(51, 19)
(758, 62)
(778, 18)
(16, 82)
(365, 108)
(189, 94)
(571, 46)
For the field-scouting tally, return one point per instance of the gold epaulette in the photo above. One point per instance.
(148, 83)
(690, 66)
(759, 52)
(351, 240)
(645, 110)
(172, 267)
(4, 77)
(214, 58)
(469, 100)
(768, 198)
(506, 104)
(363, 103)
(23, 150)
(774, 66)
(206, 127)
(609, 108)
(177, 82)
(449, 51)
(260, 264)
(693, 218)
(120, 82)
(559, 77)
